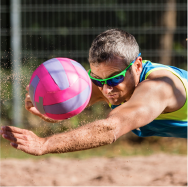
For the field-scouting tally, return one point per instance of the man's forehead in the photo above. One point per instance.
(107, 69)
(115, 63)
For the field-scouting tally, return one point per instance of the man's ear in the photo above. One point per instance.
(138, 65)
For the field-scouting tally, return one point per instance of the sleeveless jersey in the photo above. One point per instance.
(173, 124)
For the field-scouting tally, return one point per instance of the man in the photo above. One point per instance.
(147, 98)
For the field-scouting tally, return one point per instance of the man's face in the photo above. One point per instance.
(123, 91)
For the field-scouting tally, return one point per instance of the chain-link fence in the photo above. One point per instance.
(65, 28)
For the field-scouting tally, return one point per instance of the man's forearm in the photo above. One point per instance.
(92, 135)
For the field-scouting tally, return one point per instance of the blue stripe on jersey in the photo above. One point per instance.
(164, 128)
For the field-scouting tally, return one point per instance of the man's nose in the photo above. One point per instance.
(107, 89)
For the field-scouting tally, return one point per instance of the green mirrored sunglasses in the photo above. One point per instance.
(112, 81)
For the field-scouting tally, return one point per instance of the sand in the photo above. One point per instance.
(154, 170)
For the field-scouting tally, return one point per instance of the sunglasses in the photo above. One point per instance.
(112, 81)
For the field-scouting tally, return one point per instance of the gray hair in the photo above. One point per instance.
(111, 43)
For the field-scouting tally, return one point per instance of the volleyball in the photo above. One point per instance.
(60, 88)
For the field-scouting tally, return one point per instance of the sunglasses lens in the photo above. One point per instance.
(111, 82)
(115, 81)
(97, 83)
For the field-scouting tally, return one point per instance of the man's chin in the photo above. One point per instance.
(115, 101)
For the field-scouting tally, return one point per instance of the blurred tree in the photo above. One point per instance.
(168, 21)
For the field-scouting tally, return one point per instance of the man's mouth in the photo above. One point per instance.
(111, 95)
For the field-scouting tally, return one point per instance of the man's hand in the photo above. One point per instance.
(24, 140)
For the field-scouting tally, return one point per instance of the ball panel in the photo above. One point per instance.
(57, 72)
(32, 88)
(39, 105)
(69, 114)
(40, 91)
(83, 75)
(69, 70)
(46, 79)
(33, 76)
(64, 95)
(77, 64)
(81, 71)
(46, 84)
(69, 105)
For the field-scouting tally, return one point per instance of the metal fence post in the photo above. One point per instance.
(15, 24)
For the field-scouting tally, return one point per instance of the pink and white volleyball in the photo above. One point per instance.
(60, 88)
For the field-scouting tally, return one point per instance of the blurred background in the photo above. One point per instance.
(33, 31)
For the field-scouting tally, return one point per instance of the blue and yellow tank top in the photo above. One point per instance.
(173, 124)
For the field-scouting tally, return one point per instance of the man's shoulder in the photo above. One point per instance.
(169, 85)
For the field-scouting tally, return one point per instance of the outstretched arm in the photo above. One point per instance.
(92, 135)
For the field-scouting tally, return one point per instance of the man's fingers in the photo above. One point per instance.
(27, 87)
(13, 136)
(27, 98)
(14, 140)
(14, 145)
(19, 146)
(13, 129)
(26, 94)
(28, 102)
